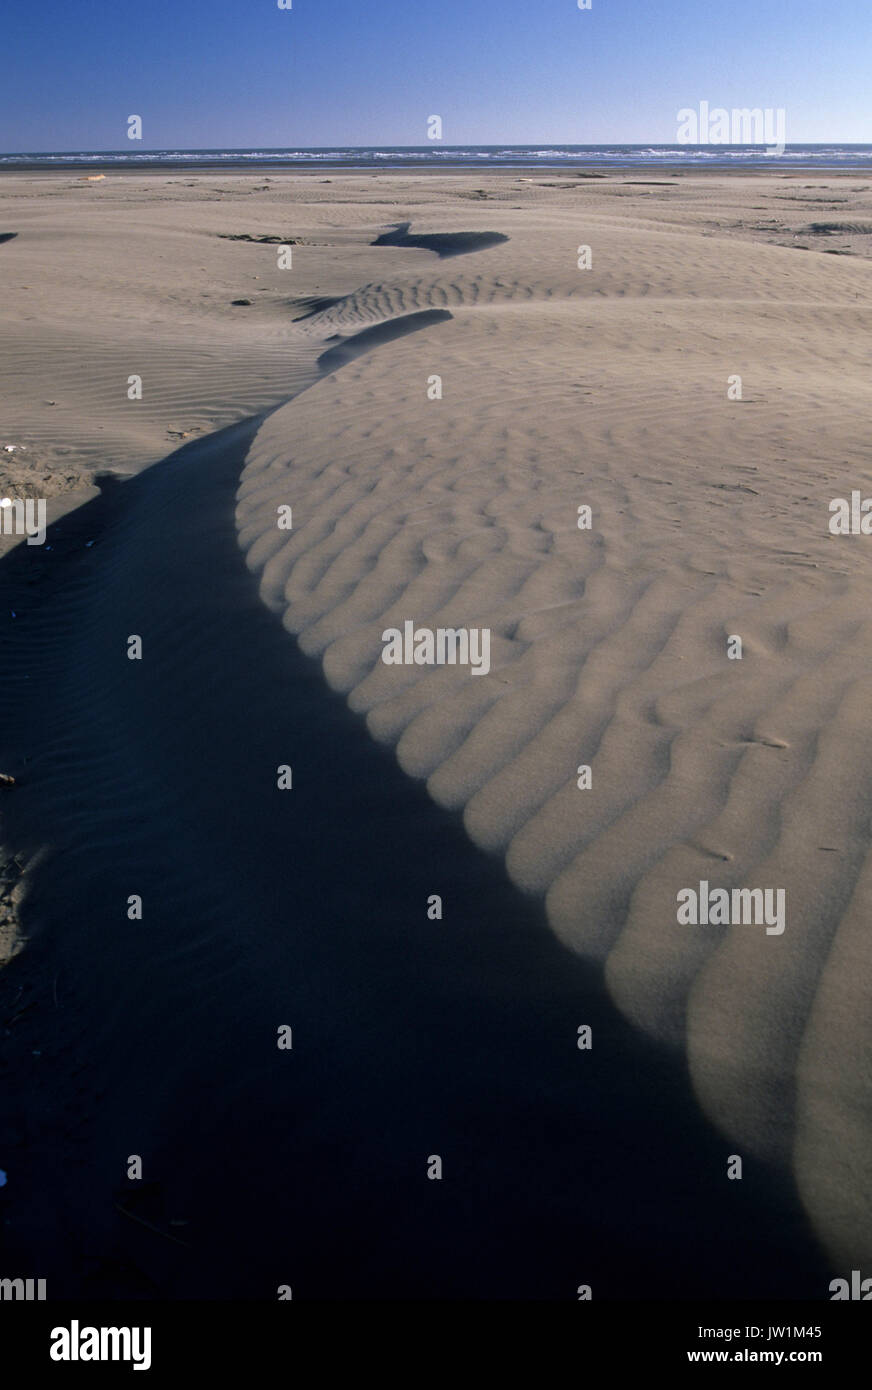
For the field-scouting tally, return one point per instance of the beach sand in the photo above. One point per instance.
(435, 409)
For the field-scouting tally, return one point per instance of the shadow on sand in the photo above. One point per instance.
(307, 907)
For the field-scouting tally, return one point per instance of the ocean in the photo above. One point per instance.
(543, 155)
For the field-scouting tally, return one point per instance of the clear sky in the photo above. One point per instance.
(243, 73)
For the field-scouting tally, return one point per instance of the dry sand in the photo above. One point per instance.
(561, 387)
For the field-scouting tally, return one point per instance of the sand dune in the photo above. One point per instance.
(608, 387)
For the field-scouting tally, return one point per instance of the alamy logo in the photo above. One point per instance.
(23, 516)
(852, 518)
(76, 1343)
(858, 1289)
(743, 125)
(739, 907)
(451, 646)
(23, 1288)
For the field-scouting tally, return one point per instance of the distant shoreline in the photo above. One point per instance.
(542, 156)
(580, 170)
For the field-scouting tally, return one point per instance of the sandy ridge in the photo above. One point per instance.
(609, 647)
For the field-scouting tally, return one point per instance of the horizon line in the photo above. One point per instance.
(468, 145)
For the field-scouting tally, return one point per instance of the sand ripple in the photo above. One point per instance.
(609, 388)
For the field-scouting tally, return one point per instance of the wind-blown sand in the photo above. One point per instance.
(561, 387)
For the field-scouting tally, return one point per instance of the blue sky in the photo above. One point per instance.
(242, 73)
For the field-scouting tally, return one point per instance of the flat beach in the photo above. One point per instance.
(603, 417)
